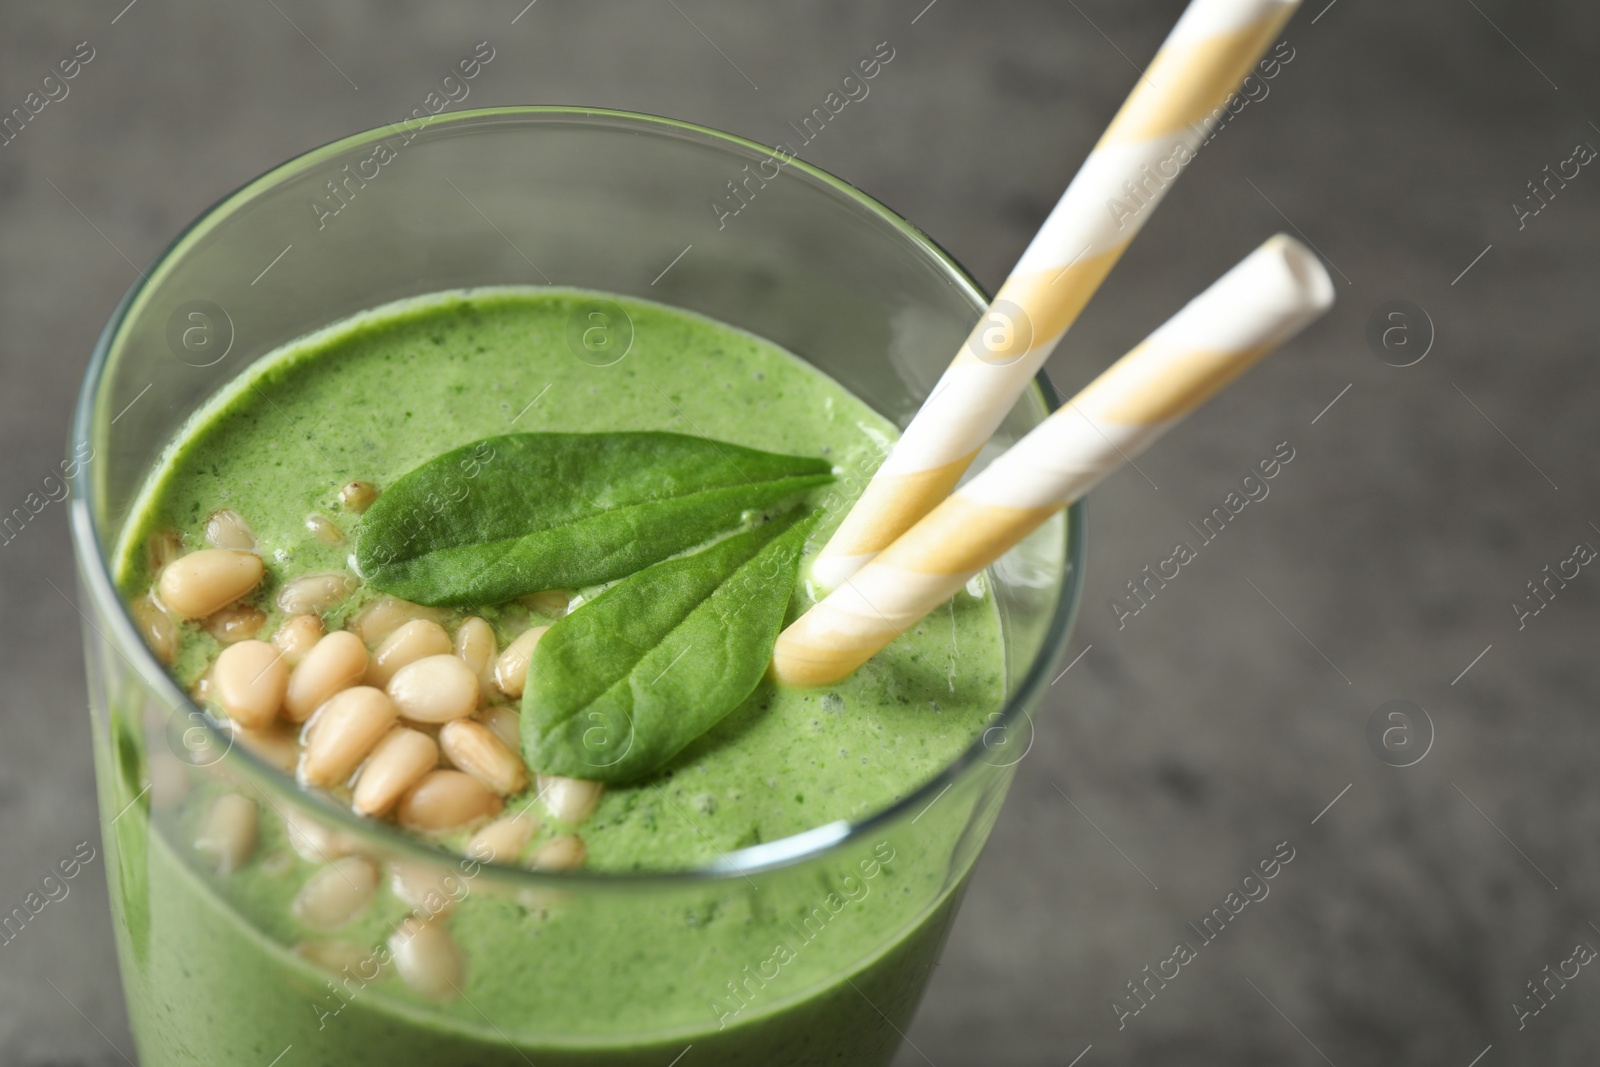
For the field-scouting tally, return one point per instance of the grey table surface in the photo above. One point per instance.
(1231, 713)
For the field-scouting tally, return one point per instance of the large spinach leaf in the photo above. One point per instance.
(521, 513)
(621, 685)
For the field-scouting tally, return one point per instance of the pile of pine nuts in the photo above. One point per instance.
(395, 716)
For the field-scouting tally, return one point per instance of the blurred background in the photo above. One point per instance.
(1442, 422)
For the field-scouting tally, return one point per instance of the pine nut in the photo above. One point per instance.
(159, 631)
(503, 840)
(430, 889)
(201, 689)
(416, 640)
(312, 839)
(387, 614)
(237, 622)
(228, 832)
(314, 593)
(226, 528)
(511, 669)
(570, 800)
(202, 582)
(345, 729)
(564, 853)
(358, 496)
(551, 602)
(435, 689)
(275, 865)
(505, 724)
(474, 748)
(162, 548)
(475, 644)
(277, 747)
(336, 662)
(337, 894)
(428, 959)
(397, 763)
(445, 800)
(341, 957)
(169, 779)
(249, 680)
(296, 637)
(323, 529)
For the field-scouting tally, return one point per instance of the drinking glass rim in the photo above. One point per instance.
(95, 569)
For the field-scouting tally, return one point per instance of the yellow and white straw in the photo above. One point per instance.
(1141, 154)
(1262, 302)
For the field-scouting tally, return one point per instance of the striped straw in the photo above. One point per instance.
(1259, 304)
(1141, 154)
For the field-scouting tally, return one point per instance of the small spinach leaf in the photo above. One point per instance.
(621, 685)
(521, 513)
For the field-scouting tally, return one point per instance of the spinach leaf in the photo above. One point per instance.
(521, 513)
(621, 685)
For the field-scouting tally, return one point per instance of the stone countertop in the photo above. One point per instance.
(1187, 741)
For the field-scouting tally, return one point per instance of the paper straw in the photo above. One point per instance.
(1141, 154)
(1262, 302)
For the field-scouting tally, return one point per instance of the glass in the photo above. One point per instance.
(828, 937)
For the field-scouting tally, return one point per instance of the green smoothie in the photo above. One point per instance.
(799, 965)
